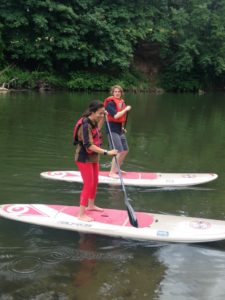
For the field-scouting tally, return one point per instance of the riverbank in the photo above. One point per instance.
(136, 81)
(17, 79)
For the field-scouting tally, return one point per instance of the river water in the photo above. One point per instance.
(166, 133)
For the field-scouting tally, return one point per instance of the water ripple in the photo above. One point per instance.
(25, 265)
(57, 256)
(17, 262)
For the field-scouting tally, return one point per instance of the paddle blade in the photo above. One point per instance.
(131, 214)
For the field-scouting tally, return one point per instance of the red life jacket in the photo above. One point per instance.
(96, 134)
(120, 105)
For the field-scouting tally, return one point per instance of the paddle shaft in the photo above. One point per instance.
(130, 210)
(125, 124)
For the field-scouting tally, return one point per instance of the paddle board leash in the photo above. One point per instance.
(130, 210)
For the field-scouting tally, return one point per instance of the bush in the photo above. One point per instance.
(79, 81)
(174, 81)
(100, 82)
(29, 80)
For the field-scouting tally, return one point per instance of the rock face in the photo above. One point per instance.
(3, 90)
(147, 60)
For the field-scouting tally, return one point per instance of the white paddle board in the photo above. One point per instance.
(142, 179)
(115, 223)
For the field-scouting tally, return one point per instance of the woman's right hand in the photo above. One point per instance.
(112, 152)
(128, 108)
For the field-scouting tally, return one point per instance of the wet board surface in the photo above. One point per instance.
(115, 223)
(141, 179)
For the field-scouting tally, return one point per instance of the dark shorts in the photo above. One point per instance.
(120, 142)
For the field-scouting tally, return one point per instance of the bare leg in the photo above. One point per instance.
(120, 158)
(82, 216)
(113, 169)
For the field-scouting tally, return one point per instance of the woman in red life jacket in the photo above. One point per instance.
(117, 114)
(87, 137)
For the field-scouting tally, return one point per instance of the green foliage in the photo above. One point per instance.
(19, 79)
(81, 80)
(102, 82)
(1, 47)
(80, 34)
(64, 37)
(180, 82)
(192, 39)
(88, 81)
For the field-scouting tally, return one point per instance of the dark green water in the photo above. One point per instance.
(166, 133)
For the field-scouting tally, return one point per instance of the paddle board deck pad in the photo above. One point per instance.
(115, 223)
(142, 179)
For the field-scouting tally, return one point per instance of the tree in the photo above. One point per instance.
(1, 48)
(73, 34)
(192, 40)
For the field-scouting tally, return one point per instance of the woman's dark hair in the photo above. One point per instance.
(93, 107)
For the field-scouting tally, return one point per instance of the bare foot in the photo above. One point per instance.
(114, 175)
(94, 207)
(85, 218)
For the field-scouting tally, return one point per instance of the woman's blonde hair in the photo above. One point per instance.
(116, 87)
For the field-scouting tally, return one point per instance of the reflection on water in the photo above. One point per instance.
(166, 133)
(192, 272)
(45, 267)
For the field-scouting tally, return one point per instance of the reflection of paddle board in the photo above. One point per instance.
(115, 223)
(138, 178)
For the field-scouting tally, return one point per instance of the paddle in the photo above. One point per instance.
(125, 125)
(130, 210)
